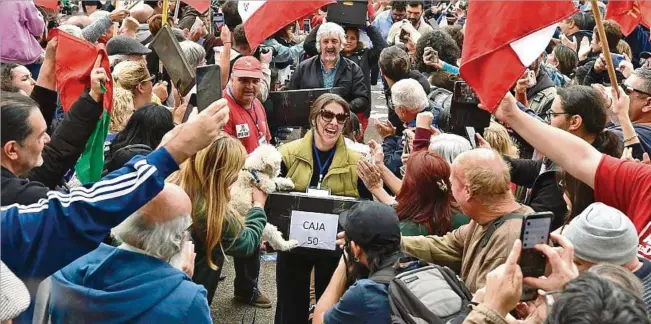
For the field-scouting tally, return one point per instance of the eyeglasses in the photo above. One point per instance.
(151, 78)
(629, 90)
(550, 114)
(328, 116)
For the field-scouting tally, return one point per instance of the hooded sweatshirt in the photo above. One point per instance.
(111, 285)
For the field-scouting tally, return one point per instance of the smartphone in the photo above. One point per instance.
(617, 58)
(191, 104)
(470, 131)
(306, 26)
(535, 230)
(405, 140)
(209, 85)
(218, 20)
(531, 78)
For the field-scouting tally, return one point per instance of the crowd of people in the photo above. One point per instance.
(146, 239)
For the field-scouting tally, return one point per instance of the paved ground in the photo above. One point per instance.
(224, 309)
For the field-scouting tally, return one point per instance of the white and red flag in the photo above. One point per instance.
(502, 39)
(263, 18)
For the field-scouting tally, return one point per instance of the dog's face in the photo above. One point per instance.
(265, 159)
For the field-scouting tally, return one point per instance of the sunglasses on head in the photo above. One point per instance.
(328, 116)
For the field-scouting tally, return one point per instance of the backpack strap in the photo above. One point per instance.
(495, 225)
(390, 269)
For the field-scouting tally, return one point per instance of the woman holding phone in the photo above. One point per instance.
(318, 161)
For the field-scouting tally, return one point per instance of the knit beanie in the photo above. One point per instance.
(602, 234)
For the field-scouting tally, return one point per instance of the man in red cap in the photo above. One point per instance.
(248, 119)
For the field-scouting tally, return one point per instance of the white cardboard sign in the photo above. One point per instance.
(314, 230)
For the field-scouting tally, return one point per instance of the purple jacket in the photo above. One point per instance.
(21, 23)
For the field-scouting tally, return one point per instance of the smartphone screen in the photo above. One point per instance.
(463, 93)
(218, 20)
(470, 131)
(535, 230)
(306, 25)
(209, 85)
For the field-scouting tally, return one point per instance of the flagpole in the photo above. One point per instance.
(605, 47)
(166, 7)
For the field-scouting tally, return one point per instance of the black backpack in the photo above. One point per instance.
(421, 292)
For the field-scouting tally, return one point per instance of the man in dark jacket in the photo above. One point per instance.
(329, 70)
(593, 69)
(31, 163)
(395, 66)
(574, 28)
(409, 99)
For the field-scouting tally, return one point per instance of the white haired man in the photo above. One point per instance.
(143, 279)
(408, 99)
(329, 69)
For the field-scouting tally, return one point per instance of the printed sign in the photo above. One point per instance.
(242, 130)
(314, 230)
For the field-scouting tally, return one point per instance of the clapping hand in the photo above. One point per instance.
(569, 43)
(504, 283)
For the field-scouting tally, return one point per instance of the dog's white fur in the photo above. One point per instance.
(265, 162)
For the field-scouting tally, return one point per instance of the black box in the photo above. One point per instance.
(281, 204)
(291, 108)
(348, 13)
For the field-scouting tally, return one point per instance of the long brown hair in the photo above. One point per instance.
(426, 193)
(206, 178)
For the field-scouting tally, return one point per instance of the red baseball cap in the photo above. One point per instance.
(247, 67)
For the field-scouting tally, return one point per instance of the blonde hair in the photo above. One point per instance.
(498, 137)
(624, 49)
(486, 174)
(206, 178)
(126, 76)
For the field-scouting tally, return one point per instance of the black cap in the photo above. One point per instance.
(371, 223)
(645, 55)
(126, 46)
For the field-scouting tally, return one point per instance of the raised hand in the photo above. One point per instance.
(98, 77)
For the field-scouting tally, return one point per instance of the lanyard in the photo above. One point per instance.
(230, 93)
(322, 167)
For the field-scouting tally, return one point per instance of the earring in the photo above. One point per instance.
(356, 259)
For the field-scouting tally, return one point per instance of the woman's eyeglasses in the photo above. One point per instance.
(328, 116)
(151, 78)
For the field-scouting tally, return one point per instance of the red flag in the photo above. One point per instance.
(502, 39)
(49, 4)
(75, 59)
(629, 13)
(201, 5)
(263, 18)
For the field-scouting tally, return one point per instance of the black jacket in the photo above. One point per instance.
(546, 193)
(60, 155)
(115, 159)
(349, 77)
(368, 57)
(393, 117)
(592, 77)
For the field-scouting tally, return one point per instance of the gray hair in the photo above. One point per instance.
(645, 75)
(161, 240)
(449, 146)
(99, 14)
(194, 53)
(72, 30)
(330, 29)
(409, 94)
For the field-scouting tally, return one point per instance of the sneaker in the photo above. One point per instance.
(259, 300)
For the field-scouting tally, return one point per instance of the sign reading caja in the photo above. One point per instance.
(314, 230)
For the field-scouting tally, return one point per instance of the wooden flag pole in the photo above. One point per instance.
(604, 45)
(166, 7)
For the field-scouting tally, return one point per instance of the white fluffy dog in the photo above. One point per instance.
(261, 169)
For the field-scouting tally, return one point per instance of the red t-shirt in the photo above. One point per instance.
(242, 124)
(627, 186)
